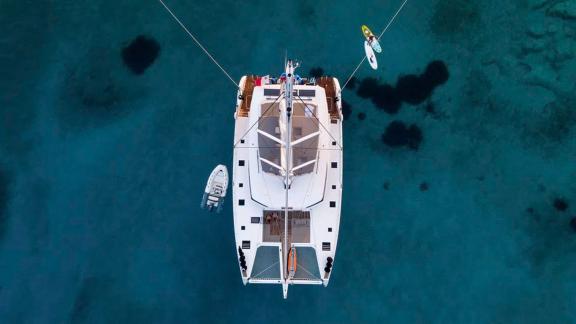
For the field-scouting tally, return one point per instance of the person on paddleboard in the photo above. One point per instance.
(371, 39)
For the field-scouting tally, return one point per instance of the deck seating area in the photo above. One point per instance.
(244, 108)
(298, 226)
(328, 84)
(325, 82)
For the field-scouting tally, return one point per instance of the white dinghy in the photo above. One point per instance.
(216, 187)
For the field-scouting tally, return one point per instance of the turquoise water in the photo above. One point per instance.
(102, 169)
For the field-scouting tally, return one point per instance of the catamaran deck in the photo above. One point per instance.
(328, 84)
(312, 154)
(249, 84)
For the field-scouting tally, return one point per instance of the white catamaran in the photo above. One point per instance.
(287, 173)
(287, 178)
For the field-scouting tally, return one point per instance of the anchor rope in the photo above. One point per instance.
(198, 42)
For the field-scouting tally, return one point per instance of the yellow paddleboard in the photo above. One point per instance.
(371, 39)
(366, 31)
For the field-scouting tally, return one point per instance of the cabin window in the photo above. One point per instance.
(241, 202)
(241, 162)
(245, 245)
(332, 204)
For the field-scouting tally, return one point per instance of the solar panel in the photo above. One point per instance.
(271, 92)
(307, 93)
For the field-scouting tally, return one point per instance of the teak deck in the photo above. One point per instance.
(298, 226)
(325, 82)
(328, 84)
(247, 96)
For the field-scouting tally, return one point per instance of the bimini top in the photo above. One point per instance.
(304, 137)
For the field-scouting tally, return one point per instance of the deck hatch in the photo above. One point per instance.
(255, 220)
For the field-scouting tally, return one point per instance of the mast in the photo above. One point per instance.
(286, 121)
